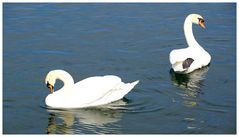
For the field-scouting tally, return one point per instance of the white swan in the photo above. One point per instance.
(194, 56)
(92, 91)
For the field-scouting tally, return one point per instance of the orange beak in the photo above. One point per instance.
(50, 87)
(201, 24)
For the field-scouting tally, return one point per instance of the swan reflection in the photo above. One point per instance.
(100, 120)
(191, 84)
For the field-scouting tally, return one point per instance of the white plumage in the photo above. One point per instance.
(194, 56)
(92, 91)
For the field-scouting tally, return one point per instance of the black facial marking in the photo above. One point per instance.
(48, 85)
(200, 20)
(187, 63)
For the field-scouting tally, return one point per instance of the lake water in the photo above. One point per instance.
(132, 41)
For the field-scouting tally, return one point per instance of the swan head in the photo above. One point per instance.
(62, 75)
(50, 81)
(197, 19)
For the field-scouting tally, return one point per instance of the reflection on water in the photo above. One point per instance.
(191, 84)
(98, 120)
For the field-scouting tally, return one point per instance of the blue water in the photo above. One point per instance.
(132, 41)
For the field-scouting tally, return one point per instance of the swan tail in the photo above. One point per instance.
(182, 66)
(134, 83)
(125, 88)
(117, 93)
(178, 67)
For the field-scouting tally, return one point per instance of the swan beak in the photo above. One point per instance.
(50, 87)
(201, 24)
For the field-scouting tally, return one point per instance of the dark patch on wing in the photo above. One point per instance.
(187, 63)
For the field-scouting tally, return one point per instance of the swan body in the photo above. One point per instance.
(92, 91)
(194, 56)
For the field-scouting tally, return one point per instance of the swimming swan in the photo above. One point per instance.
(194, 56)
(92, 91)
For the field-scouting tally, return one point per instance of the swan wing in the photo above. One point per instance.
(94, 88)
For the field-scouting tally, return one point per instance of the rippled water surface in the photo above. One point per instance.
(132, 41)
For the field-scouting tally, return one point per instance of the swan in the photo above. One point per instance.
(92, 91)
(194, 56)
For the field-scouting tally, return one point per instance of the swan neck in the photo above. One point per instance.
(188, 32)
(66, 78)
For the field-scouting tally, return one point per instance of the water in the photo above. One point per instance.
(132, 41)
